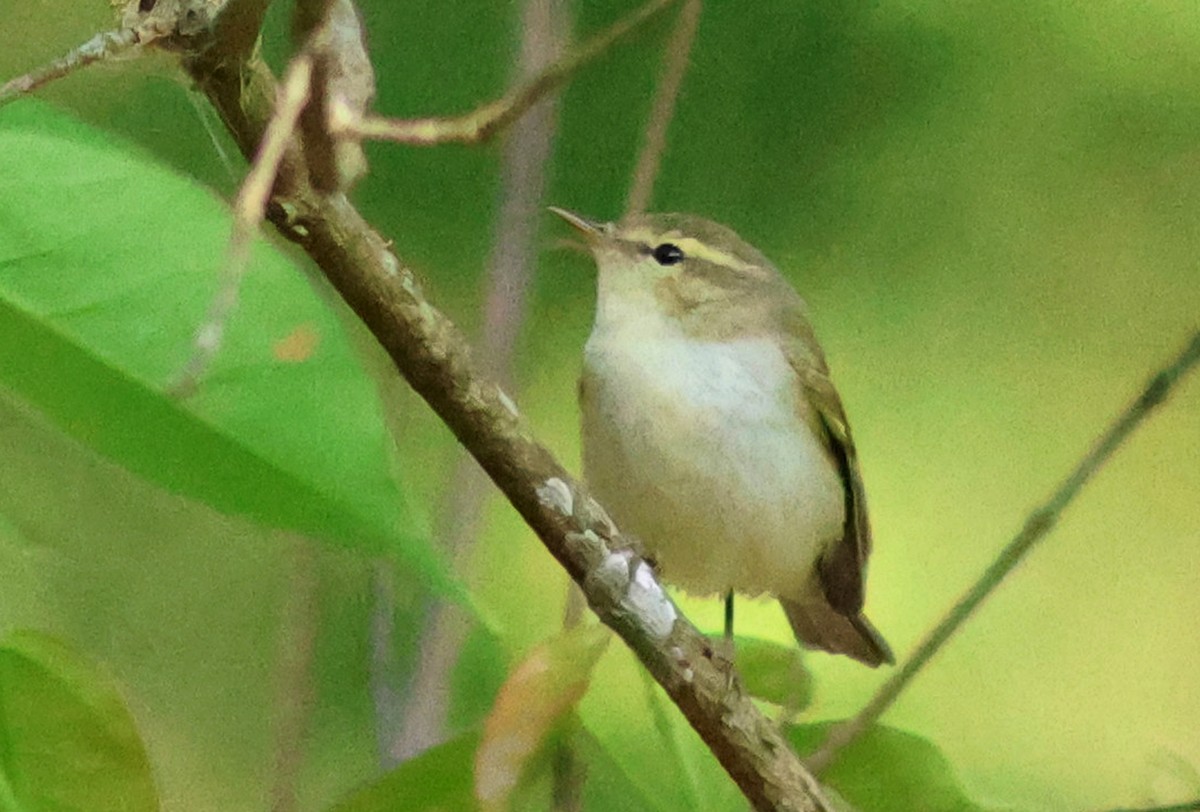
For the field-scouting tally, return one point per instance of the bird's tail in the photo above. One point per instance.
(818, 625)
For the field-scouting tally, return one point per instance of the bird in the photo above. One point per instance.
(711, 429)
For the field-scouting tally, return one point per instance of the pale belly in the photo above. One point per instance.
(702, 452)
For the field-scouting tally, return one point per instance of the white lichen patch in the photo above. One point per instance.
(614, 571)
(507, 402)
(556, 495)
(647, 598)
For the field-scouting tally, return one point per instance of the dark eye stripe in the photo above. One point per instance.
(668, 254)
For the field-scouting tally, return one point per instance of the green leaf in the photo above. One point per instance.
(108, 263)
(774, 672)
(607, 787)
(478, 675)
(438, 780)
(888, 770)
(67, 741)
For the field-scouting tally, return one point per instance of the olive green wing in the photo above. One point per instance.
(842, 568)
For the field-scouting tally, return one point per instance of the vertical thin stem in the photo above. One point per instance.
(526, 155)
(675, 64)
(294, 692)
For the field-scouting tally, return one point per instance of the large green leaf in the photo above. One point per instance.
(889, 770)
(774, 672)
(67, 741)
(438, 779)
(435, 781)
(107, 265)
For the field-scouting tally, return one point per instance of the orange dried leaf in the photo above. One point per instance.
(539, 693)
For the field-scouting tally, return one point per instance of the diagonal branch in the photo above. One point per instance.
(1039, 523)
(434, 357)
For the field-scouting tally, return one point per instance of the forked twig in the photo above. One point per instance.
(485, 121)
(1039, 523)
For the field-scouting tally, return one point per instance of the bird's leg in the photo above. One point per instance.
(729, 619)
(725, 651)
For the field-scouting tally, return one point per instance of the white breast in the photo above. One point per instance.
(701, 451)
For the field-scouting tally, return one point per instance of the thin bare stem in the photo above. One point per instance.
(485, 121)
(1039, 523)
(385, 696)
(675, 65)
(1187, 806)
(294, 693)
(527, 151)
(105, 45)
(248, 212)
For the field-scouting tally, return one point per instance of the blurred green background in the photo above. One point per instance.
(992, 211)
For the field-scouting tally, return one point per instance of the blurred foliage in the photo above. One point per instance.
(991, 209)
(888, 770)
(114, 345)
(774, 672)
(68, 740)
(431, 782)
(538, 698)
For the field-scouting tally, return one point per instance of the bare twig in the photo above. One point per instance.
(1187, 806)
(483, 122)
(386, 698)
(294, 692)
(1039, 523)
(170, 24)
(509, 273)
(248, 213)
(675, 65)
(331, 67)
(105, 45)
(435, 359)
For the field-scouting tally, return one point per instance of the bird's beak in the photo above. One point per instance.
(591, 230)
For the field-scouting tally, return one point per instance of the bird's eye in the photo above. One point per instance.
(668, 254)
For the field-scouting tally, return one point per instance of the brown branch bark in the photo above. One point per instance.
(434, 357)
